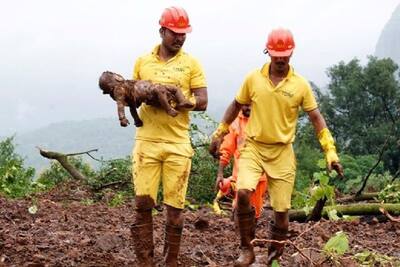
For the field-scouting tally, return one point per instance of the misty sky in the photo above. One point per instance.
(52, 52)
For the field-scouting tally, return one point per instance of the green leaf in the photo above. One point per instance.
(324, 180)
(337, 244)
(332, 215)
(319, 193)
(317, 176)
(362, 257)
(321, 164)
(307, 210)
(275, 264)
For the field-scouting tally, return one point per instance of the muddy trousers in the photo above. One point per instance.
(173, 234)
(275, 249)
(247, 228)
(142, 234)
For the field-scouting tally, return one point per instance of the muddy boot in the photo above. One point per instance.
(247, 228)
(275, 250)
(172, 242)
(142, 234)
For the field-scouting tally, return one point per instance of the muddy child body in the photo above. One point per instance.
(133, 93)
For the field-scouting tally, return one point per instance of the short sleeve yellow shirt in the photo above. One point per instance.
(183, 71)
(275, 109)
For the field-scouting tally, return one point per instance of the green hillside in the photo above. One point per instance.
(105, 134)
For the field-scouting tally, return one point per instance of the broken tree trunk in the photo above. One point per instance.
(316, 213)
(351, 209)
(355, 198)
(63, 160)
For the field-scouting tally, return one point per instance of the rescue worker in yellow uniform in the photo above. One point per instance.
(230, 147)
(276, 92)
(162, 150)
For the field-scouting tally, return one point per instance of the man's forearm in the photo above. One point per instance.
(201, 99)
(231, 112)
(221, 169)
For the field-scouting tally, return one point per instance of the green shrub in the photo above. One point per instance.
(55, 173)
(307, 164)
(355, 169)
(391, 193)
(202, 176)
(113, 171)
(15, 179)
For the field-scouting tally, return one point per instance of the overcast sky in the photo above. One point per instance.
(52, 52)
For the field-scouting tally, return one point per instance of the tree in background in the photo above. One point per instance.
(362, 107)
(15, 179)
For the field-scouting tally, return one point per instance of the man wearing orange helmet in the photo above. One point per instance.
(162, 147)
(275, 92)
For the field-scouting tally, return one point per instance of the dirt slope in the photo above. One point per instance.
(66, 232)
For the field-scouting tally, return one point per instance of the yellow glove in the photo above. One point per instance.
(328, 146)
(216, 207)
(217, 138)
(222, 129)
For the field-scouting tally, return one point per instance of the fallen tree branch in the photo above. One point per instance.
(316, 213)
(308, 229)
(355, 198)
(350, 209)
(120, 182)
(63, 160)
(81, 153)
(390, 217)
(255, 241)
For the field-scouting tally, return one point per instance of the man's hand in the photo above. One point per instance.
(337, 167)
(124, 122)
(215, 144)
(217, 138)
(218, 181)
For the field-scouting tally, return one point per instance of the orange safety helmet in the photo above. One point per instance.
(280, 43)
(175, 19)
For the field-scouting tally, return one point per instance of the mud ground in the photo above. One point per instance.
(66, 230)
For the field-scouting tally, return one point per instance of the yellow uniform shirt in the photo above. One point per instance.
(183, 71)
(274, 110)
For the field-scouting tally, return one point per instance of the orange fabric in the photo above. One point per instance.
(231, 145)
(233, 142)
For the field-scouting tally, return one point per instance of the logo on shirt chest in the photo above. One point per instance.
(179, 69)
(287, 93)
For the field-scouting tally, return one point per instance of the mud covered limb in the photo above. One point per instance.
(351, 209)
(63, 160)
